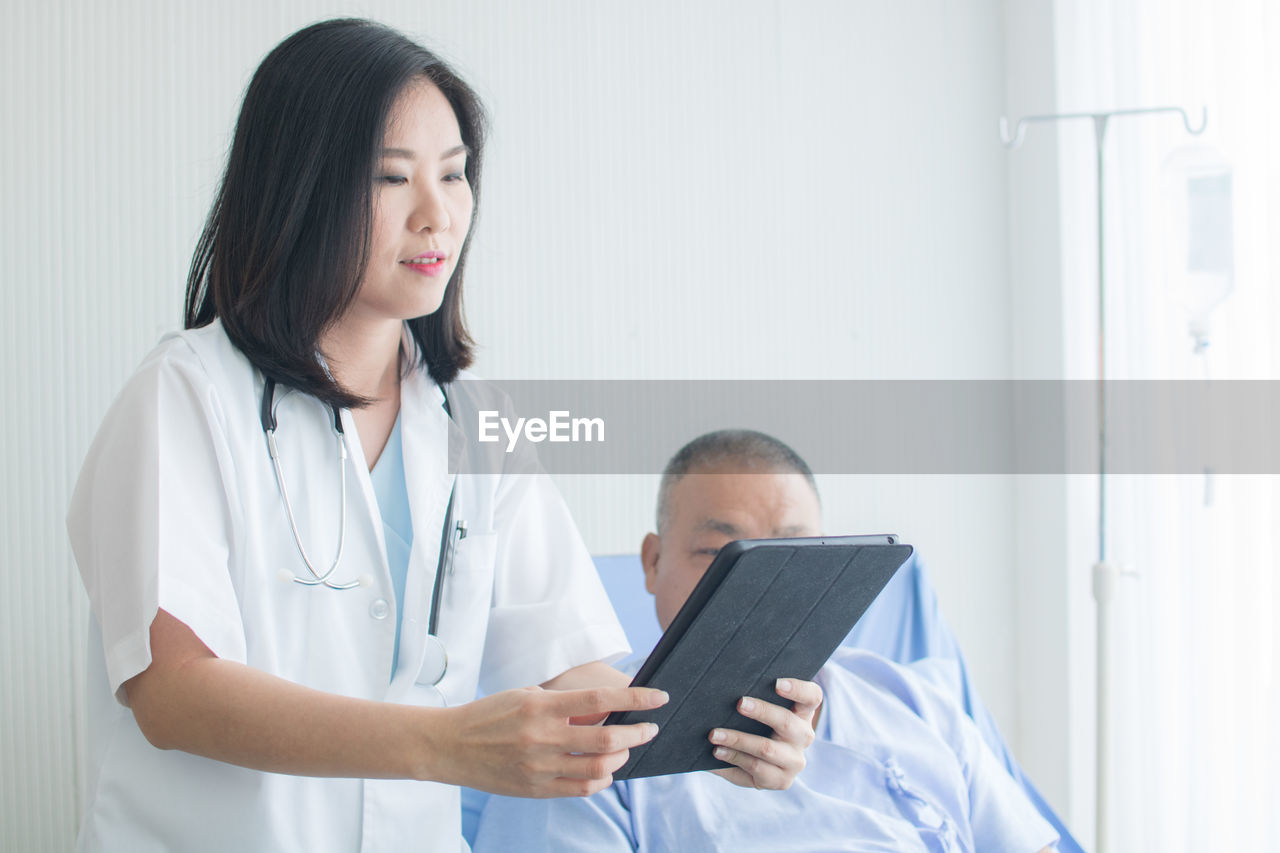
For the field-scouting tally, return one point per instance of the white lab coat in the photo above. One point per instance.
(177, 507)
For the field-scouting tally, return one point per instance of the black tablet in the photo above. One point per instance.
(765, 609)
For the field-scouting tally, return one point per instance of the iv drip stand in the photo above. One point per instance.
(1104, 574)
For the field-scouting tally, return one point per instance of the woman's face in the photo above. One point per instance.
(421, 209)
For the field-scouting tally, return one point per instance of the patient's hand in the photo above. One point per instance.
(774, 762)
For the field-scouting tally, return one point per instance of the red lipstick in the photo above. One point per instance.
(428, 263)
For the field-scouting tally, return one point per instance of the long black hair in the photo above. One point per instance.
(287, 240)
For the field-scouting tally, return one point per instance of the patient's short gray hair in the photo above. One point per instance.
(731, 449)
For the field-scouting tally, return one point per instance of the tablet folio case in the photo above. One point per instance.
(765, 609)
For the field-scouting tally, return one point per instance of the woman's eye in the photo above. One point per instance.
(393, 180)
(455, 176)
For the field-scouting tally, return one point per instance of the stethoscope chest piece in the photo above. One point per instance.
(435, 662)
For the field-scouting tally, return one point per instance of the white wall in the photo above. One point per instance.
(822, 177)
(1054, 660)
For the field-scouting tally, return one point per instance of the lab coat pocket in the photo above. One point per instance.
(468, 587)
(464, 615)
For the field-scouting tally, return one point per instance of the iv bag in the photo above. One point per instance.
(1199, 234)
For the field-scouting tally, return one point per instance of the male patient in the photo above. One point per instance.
(897, 765)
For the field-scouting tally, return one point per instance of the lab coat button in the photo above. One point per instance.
(379, 609)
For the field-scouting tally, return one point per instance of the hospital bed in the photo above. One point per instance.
(903, 624)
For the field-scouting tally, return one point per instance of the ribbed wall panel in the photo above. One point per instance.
(821, 177)
(37, 692)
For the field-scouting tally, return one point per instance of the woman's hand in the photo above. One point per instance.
(774, 762)
(531, 742)
(539, 743)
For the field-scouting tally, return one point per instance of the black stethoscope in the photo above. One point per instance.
(436, 661)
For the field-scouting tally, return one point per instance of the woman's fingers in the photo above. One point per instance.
(599, 740)
(566, 787)
(592, 766)
(525, 743)
(596, 701)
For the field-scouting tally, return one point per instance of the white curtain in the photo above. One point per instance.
(1197, 670)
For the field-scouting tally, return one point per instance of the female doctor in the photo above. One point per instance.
(295, 599)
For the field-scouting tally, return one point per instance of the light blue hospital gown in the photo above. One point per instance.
(897, 767)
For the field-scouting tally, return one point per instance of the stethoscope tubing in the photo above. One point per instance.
(269, 427)
(448, 539)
